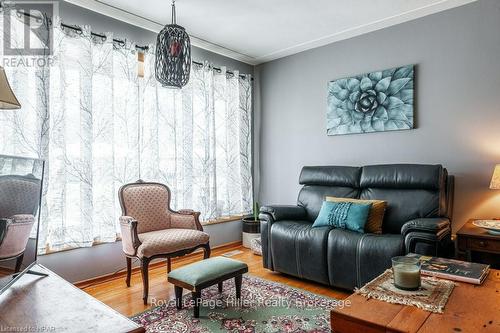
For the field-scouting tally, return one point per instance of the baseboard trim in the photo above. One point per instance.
(122, 273)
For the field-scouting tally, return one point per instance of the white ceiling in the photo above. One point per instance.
(256, 31)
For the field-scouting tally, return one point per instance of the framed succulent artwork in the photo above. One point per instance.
(373, 102)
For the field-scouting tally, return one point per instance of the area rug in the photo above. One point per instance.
(265, 306)
(431, 296)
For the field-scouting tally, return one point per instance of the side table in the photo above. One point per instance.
(475, 244)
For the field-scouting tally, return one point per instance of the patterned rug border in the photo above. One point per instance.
(250, 276)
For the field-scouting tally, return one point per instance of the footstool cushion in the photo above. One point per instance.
(206, 273)
(207, 270)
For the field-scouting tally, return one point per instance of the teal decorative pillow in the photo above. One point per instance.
(343, 215)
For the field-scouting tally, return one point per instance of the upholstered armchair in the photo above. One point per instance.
(151, 229)
(19, 198)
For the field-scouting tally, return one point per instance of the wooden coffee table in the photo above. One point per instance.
(470, 308)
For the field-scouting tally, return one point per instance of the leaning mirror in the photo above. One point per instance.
(21, 181)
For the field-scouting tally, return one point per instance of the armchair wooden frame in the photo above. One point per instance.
(144, 261)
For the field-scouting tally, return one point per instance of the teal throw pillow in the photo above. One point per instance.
(343, 215)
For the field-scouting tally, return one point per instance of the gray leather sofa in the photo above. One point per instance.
(417, 219)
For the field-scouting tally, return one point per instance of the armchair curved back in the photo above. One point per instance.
(19, 195)
(148, 203)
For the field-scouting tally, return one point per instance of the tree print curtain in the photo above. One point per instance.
(99, 126)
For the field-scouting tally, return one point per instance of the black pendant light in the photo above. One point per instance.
(173, 55)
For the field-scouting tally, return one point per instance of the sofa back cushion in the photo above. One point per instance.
(411, 191)
(322, 181)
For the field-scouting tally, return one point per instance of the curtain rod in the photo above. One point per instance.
(121, 41)
(118, 41)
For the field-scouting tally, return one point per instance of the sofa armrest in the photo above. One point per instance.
(130, 238)
(282, 212)
(268, 216)
(427, 236)
(426, 225)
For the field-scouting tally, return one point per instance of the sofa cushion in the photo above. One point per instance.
(343, 215)
(375, 253)
(376, 216)
(300, 250)
(403, 176)
(311, 197)
(320, 181)
(341, 257)
(342, 176)
(403, 205)
(411, 191)
(354, 259)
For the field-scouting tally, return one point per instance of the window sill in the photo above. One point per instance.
(49, 251)
(223, 220)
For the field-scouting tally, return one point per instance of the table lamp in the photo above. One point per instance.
(8, 100)
(495, 179)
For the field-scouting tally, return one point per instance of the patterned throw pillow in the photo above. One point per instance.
(376, 216)
(343, 215)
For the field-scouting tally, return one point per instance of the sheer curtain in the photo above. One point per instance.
(198, 140)
(99, 126)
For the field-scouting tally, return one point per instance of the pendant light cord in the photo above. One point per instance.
(174, 21)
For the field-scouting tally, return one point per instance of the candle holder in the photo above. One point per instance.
(406, 273)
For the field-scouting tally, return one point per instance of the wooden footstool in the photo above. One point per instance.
(206, 273)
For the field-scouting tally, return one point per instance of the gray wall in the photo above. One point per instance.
(457, 53)
(86, 263)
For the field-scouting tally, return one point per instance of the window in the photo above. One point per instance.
(99, 125)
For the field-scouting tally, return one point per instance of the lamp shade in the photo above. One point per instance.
(8, 100)
(495, 179)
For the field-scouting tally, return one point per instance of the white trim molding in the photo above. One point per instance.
(142, 22)
(366, 28)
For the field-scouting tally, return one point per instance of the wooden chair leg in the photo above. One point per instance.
(145, 279)
(220, 287)
(206, 251)
(19, 262)
(169, 265)
(178, 297)
(197, 301)
(237, 281)
(129, 271)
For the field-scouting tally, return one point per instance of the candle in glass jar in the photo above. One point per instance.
(406, 273)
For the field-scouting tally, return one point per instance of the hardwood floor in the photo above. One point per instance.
(128, 301)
